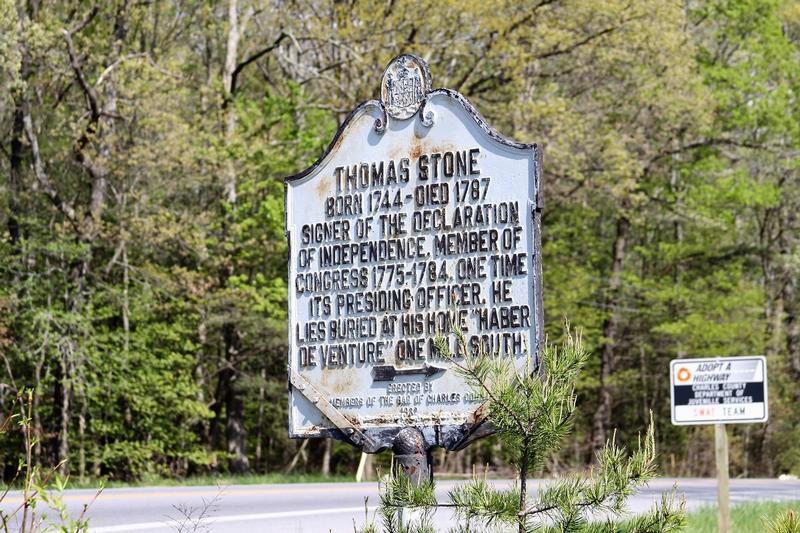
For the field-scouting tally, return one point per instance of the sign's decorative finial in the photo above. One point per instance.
(405, 83)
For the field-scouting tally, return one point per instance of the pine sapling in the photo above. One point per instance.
(532, 408)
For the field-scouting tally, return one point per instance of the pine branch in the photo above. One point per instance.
(471, 373)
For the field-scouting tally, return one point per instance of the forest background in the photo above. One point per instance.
(142, 256)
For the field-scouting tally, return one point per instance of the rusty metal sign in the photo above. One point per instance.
(418, 216)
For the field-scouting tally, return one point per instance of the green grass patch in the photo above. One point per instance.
(745, 517)
(246, 479)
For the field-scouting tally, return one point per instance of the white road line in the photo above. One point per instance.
(144, 526)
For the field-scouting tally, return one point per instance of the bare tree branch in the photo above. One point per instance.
(41, 175)
(88, 90)
(85, 22)
(703, 143)
(113, 65)
(255, 57)
(494, 37)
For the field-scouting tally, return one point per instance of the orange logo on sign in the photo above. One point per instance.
(684, 374)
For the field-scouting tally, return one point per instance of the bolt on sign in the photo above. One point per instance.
(720, 390)
(418, 216)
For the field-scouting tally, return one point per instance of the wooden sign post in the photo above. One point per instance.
(723, 496)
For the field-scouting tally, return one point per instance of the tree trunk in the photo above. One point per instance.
(17, 132)
(262, 396)
(791, 324)
(235, 432)
(368, 468)
(326, 457)
(234, 405)
(300, 453)
(611, 326)
(126, 311)
(64, 390)
(792, 329)
(205, 425)
(230, 110)
(15, 178)
(215, 433)
(82, 442)
(773, 269)
(523, 487)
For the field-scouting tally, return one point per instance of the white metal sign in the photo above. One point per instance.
(419, 215)
(720, 390)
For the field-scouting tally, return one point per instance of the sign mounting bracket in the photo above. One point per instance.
(304, 387)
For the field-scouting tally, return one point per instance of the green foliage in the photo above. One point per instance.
(42, 506)
(406, 508)
(745, 517)
(531, 409)
(479, 501)
(152, 324)
(666, 515)
(786, 522)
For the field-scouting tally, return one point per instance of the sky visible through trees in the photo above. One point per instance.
(142, 254)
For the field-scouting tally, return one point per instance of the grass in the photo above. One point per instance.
(745, 517)
(246, 479)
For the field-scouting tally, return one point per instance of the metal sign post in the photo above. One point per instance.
(419, 215)
(719, 391)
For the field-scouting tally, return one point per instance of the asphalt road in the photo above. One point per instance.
(318, 507)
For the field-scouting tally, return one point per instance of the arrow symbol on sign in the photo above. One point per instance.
(388, 372)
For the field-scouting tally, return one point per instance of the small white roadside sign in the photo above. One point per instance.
(720, 390)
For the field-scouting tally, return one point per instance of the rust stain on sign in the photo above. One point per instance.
(416, 151)
(323, 187)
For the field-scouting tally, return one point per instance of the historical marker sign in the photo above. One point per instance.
(721, 390)
(418, 215)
